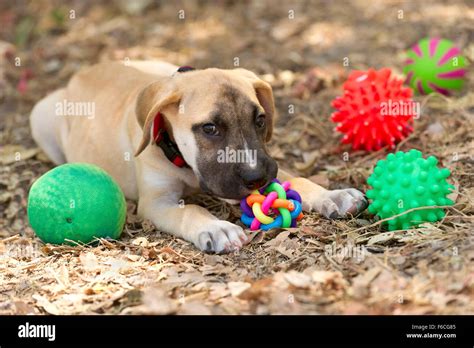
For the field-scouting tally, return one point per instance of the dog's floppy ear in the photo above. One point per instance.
(264, 94)
(153, 99)
(265, 98)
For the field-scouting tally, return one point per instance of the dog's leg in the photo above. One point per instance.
(162, 205)
(330, 203)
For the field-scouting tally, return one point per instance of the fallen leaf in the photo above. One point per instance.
(213, 260)
(360, 285)
(155, 302)
(255, 237)
(49, 307)
(297, 279)
(89, 261)
(284, 251)
(366, 278)
(256, 289)
(325, 276)
(194, 308)
(237, 288)
(140, 241)
(309, 160)
(320, 179)
(22, 308)
(278, 239)
(381, 238)
(13, 153)
(398, 260)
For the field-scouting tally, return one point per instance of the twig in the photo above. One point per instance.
(9, 239)
(369, 157)
(401, 214)
(459, 217)
(399, 145)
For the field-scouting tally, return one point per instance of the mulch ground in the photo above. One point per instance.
(348, 266)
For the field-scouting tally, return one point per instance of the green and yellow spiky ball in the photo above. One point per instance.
(404, 181)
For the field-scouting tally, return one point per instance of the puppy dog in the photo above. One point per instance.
(159, 131)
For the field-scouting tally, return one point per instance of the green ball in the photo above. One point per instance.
(435, 65)
(77, 202)
(406, 180)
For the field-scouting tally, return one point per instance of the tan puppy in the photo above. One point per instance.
(106, 114)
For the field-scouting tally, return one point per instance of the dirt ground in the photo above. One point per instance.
(348, 266)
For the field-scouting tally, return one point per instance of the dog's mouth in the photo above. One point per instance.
(236, 182)
(235, 192)
(226, 193)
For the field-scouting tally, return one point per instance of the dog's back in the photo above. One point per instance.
(92, 104)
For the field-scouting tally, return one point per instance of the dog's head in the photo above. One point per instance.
(221, 121)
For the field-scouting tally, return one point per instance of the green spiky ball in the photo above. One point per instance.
(406, 180)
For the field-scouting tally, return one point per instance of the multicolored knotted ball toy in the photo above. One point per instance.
(271, 207)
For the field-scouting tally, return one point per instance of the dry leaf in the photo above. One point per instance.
(297, 279)
(325, 276)
(194, 308)
(89, 261)
(257, 289)
(278, 239)
(13, 153)
(236, 288)
(140, 241)
(360, 285)
(22, 308)
(284, 251)
(320, 179)
(49, 307)
(155, 302)
(381, 238)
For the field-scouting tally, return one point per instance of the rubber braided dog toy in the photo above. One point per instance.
(276, 199)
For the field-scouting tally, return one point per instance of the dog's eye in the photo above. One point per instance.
(260, 121)
(210, 129)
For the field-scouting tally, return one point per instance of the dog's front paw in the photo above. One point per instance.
(221, 237)
(342, 203)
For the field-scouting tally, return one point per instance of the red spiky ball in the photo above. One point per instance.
(375, 110)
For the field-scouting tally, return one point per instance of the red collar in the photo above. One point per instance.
(162, 139)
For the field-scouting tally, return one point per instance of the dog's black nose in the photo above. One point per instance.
(254, 179)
